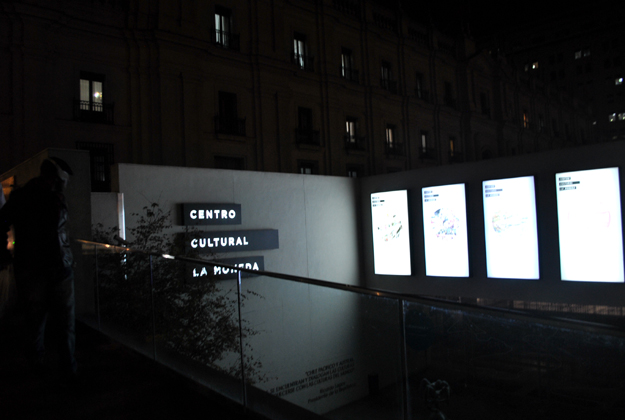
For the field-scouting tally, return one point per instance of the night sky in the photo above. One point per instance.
(486, 18)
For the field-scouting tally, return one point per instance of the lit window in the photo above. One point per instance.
(612, 117)
(390, 135)
(347, 64)
(578, 54)
(300, 53)
(91, 95)
(351, 126)
(223, 19)
(526, 119)
(452, 146)
(618, 81)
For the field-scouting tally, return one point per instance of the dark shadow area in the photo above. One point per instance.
(114, 382)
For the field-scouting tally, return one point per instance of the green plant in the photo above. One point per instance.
(195, 318)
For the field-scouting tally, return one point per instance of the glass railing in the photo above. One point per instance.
(289, 347)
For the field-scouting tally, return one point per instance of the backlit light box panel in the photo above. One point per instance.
(510, 228)
(391, 240)
(590, 226)
(445, 231)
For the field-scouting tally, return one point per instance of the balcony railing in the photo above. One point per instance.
(390, 85)
(394, 149)
(422, 94)
(303, 61)
(230, 125)
(427, 153)
(88, 111)
(408, 356)
(354, 142)
(456, 157)
(303, 136)
(351, 75)
(227, 40)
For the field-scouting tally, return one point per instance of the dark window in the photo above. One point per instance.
(228, 162)
(228, 121)
(554, 127)
(449, 95)
(485, 103)
(304, 119)
(347, 65)
(304, 133)
(100, 159)
(420, 90)
(386, 79)
(355, 171)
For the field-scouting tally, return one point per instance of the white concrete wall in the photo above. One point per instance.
(301, 328)
(316, 216)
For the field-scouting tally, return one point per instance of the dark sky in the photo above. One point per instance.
(489, 18)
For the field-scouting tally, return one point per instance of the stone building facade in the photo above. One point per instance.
(333, 87)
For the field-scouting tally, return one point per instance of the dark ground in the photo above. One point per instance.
(114, 382)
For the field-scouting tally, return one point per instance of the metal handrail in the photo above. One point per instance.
(515, 313)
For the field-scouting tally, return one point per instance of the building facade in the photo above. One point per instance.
(334, 87)
(583, 54)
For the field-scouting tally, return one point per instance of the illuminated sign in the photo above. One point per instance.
(510, 228)
(590, 226)
(198, 271)
(391, 239)
(233, 241)
(211, 214)
(445, 231)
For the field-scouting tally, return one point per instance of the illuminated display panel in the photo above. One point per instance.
(391, 240)
(510, 228)
(445, 231)
(590, 226)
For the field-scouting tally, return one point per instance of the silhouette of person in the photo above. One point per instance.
(43, 261)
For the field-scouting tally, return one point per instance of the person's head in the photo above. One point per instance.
(56, 171)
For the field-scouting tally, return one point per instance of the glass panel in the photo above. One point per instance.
(330, 352)
(97, 92)
(313, 350)
(499, 366)
(124, 297)
(197, 326)
(84, 90)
